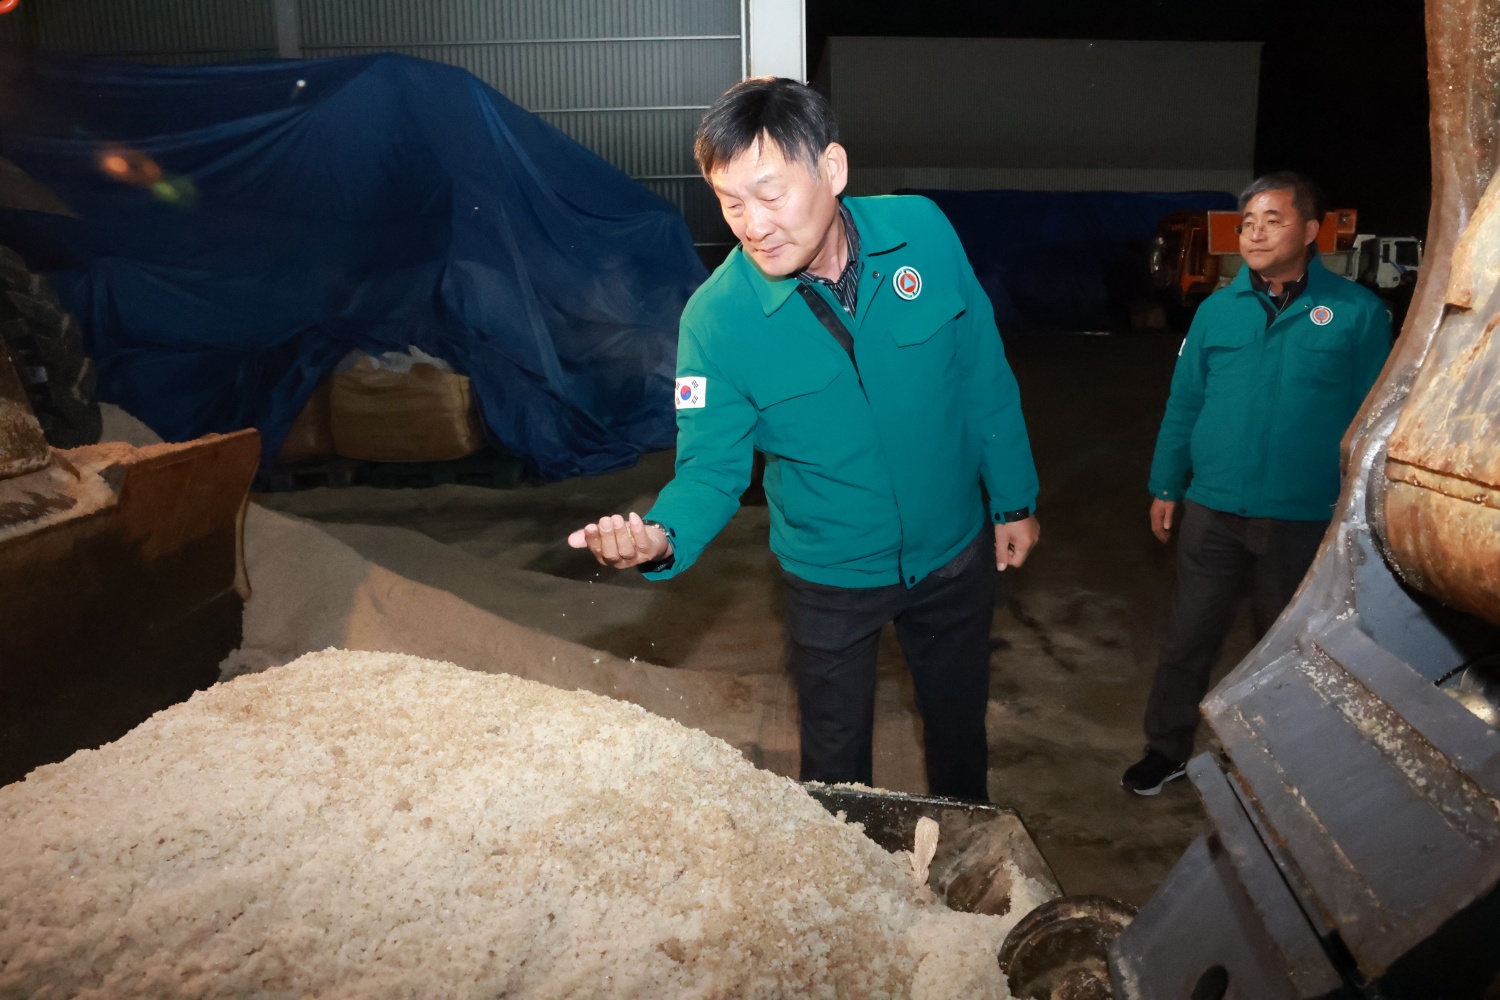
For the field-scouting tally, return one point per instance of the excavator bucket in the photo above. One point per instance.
(121, 581)
(1354, 841)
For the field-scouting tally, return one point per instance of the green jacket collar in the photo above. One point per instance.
(1319, 278)
(875, 238)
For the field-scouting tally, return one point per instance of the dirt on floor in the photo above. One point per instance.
(1074, 634)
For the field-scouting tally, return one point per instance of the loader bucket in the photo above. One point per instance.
(121, 589)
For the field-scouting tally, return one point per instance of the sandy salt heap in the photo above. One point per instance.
(376, 825)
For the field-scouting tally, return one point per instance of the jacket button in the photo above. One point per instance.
(911, 579)
(877, 275)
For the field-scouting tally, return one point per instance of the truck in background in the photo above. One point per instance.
(1384, 261)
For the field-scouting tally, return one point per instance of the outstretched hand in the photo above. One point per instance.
(1013, 541)
(621, 543)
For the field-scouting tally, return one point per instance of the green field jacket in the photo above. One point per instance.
(873, 473)
(1258, 406)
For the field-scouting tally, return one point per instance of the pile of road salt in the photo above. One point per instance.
(376, 825)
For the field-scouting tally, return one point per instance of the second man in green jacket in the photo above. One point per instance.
(1246, 470)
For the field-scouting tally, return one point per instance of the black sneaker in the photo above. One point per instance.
(1147, 775)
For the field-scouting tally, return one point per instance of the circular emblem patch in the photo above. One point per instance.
(907, 282)
(1322, 315)
(685, 393)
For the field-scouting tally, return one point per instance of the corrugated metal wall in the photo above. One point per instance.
(627, 78)
(162, 31)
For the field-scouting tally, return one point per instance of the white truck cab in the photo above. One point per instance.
(1383, 260)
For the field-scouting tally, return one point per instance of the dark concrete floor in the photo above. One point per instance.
(1075, 630)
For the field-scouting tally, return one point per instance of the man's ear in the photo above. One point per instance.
(834, 165)
(1310, 231)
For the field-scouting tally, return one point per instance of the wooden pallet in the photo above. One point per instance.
(312, 474)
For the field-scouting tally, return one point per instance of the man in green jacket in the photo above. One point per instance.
(850, 343)
(1272, 372)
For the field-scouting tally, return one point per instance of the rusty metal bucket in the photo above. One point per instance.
(975, 840)
(121, 588)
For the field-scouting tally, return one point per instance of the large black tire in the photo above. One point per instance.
(47, 347)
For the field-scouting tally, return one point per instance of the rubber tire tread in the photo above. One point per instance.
(47, 346)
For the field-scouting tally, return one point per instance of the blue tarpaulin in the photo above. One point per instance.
(241, 228)
(1063, 260)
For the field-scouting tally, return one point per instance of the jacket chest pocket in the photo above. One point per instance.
(796, 405)
(1228, 349)
(774, 383)
(1319, 355)
(915, 324)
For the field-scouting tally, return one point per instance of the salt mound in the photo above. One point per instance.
(310, 591)
(377, 825)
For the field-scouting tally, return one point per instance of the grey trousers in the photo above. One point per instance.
(943, 623)
(1215, 552)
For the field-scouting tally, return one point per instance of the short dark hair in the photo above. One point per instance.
(1307, 197)
(791, 114)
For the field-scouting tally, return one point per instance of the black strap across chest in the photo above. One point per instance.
(830, 320)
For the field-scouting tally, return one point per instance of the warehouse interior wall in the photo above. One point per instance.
(1044, 114)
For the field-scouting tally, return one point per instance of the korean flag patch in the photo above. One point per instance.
(690, 393)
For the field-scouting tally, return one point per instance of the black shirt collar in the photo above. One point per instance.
(1289, 289)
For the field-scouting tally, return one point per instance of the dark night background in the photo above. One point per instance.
(1343, 85)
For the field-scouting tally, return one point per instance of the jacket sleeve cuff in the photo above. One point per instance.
(685, 528)
(661, 568)
(1165, 493)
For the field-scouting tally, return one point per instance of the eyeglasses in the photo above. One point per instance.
(1269, 228)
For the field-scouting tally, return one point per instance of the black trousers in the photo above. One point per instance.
(943, 623)
(1215, 552)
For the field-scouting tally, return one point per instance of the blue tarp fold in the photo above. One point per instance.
(304, 209)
